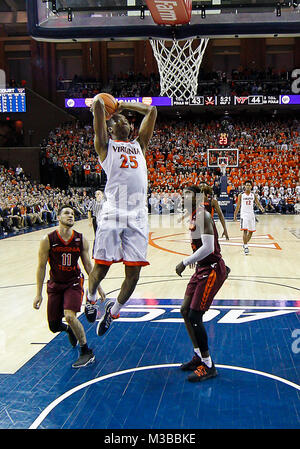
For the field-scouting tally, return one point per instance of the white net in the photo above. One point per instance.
(178, 64)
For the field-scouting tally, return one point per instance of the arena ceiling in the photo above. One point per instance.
(13, 17)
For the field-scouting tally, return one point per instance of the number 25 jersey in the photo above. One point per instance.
(126, 171)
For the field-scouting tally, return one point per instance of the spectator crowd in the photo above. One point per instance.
(239, 82)
(268, 155)
(26, 204)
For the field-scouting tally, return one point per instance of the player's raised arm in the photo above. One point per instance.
(147, 126)
(100, 128)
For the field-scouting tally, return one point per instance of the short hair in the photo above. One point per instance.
(193, 188)
(64, 206)
(248, 181)
(206, 189)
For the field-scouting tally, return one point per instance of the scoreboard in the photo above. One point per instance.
(12, 100)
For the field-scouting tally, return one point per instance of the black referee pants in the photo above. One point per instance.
(95, 224)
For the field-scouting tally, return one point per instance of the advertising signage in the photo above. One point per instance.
(210, 101)
(12, 100)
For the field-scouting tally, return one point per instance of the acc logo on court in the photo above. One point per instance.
(226, 315)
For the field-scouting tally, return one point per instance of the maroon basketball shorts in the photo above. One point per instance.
(64, 297)
(204, 285)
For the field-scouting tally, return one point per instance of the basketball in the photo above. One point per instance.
(111, 104)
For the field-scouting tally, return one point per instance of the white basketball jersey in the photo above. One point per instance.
(247, 204)
(126, 171)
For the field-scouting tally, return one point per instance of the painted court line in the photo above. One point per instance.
(61, 398)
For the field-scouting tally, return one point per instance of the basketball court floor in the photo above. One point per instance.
(135, 382)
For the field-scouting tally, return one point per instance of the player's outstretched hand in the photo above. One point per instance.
(37, 302)
(180, 268)
(225, 234)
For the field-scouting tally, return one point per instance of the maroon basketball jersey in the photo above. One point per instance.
(63, 257)
(208, 206)
(196, 242)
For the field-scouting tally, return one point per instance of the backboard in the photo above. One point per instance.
(87, 20)
(218, 156)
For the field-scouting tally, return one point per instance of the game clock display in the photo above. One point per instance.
(12, 100)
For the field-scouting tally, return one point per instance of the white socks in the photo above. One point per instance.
(206, 360)
(92, 298)
(116, 308)
(197, 351)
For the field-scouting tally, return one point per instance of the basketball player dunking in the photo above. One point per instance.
(62, 248)
(211, 272)
(122, 233)
(246, 202)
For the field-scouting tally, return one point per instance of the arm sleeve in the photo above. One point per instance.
(202, 252)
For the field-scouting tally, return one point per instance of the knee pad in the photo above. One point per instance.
(195, 317)
(56, 326)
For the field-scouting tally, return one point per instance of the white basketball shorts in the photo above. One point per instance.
(247, 223)
(122, 238)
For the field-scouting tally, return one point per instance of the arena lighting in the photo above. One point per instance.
(278, 10)
(70, 15)
(54, 8)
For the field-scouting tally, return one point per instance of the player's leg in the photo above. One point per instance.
(185, 309)
(196, 320)
(76, 326)
(205, 292)
(106, 250)
(132, 275)
(97, 275)
(134, 245)
(251, 228)
(249, 235)
(133, 241)
(72, 304)
(244, 228)
(55, 311)
(112, 309)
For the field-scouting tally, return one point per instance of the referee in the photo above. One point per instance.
(94, 208)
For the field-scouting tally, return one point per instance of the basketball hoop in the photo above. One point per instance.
(223, 167)
(178, 64)
(223, 164)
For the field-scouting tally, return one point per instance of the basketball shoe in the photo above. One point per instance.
(84, 359)
(106, 320)
(246, 249)
(192, 364)
(203, 373)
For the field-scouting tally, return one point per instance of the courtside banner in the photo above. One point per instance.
(170, 12)
(87, 102)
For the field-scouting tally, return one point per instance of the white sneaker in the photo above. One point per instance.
(246, 249)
